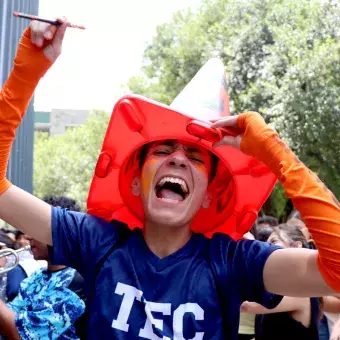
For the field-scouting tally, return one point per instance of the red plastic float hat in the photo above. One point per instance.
(240, 187)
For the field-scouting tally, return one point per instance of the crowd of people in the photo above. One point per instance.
(294, 318)
(41, 293)
(96, 275)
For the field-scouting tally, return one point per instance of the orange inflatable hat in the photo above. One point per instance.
(240, 187)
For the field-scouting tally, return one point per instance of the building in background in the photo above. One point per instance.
(20, 167)
(59, 120)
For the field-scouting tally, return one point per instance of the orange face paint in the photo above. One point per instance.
(201, 167)
(148, 174)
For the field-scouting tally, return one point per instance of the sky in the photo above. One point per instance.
(95, 62)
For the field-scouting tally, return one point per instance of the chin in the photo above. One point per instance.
(169, 214)
(167, 219)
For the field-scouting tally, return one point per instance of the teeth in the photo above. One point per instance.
(181, 182)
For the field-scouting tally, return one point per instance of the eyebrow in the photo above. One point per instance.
(173, 144)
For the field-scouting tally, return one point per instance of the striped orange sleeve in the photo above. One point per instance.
(30, 65)
(316, 204)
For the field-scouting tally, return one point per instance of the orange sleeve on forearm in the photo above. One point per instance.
(316, 204)
(30, 65)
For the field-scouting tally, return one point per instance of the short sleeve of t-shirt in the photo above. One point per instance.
(81, 240)
(14, 278)
(239, 268)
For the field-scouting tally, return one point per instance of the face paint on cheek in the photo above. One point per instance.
(201, 169)
(148, 174)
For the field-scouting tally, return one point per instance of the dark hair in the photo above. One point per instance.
(6, 239)
(214, 160)
(252, 230)
(62, 201)
(294, 214)
(272, 221)
(18, 233)
(293, 233)
(311, 244)
(263, 233)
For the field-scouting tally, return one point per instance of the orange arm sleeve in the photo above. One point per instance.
(30, 65)
(316, 204)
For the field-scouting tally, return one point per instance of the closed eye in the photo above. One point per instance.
(198, 160)
(161, 152)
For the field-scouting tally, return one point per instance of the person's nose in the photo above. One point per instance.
(178, 159)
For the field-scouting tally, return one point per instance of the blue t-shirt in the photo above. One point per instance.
(14, 278)
(194, 293)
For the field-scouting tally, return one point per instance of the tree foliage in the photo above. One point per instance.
(282, 60)
(64, 164)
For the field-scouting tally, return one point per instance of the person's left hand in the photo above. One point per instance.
(230, 121)
(253, 132)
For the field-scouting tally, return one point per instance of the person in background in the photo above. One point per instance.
(329, 327)
(21, 240)
(263, 227)
(335, 331)
(246, 330)
(5, 242)
(266, 221)
(327, 319)
(28, 266)
(298, 222)
(10, 234)
(294, 318)
(264, 233)
(50, 302)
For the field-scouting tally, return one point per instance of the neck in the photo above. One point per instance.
(52, 268)
(164, 241)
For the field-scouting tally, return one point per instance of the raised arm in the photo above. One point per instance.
(331, 304)
(294, 272)
(38, 49)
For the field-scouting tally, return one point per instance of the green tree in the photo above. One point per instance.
(64, 164)
(308, 114)
(281, 58)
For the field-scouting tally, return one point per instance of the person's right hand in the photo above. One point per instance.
(49, 37)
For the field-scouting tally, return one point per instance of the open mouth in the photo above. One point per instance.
(172, 189)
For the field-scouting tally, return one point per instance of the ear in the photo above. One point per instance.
(206, 201)
(297, 244)
(136, 187)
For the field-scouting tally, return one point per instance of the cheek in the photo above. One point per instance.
(201, 173)
(201, 181)
(148, 174)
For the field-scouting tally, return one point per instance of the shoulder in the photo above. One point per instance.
(65, 216)
(86, 225)
(229, 251)
(225, 242)
(30, 282)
